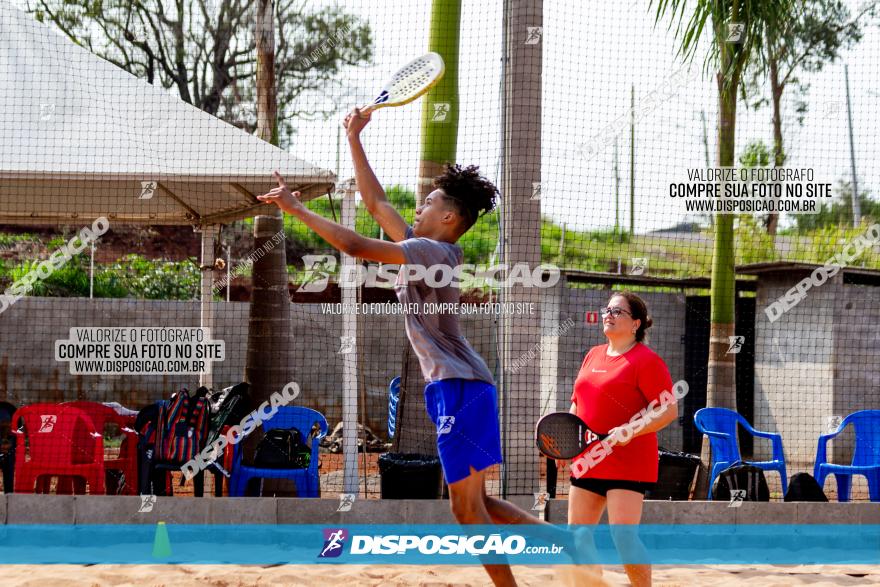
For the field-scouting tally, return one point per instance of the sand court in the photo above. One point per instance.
(422, 576)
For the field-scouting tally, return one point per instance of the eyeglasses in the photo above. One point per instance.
(615, 312)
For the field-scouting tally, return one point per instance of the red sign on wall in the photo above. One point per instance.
(592, 318)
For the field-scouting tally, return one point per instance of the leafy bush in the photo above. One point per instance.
(153, 280)
(753, 244)
(70, 280)
(10, 240)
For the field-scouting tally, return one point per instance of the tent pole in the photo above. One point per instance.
(206, 314)
(92, 272)
(348, 346)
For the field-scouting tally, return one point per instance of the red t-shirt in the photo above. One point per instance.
(608, 392)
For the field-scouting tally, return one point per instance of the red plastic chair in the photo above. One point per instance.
(56, 440)
(127, 461)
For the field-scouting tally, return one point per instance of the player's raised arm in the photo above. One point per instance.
(340, 237)
(371, 190)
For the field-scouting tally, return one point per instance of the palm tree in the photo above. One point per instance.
(737, 28)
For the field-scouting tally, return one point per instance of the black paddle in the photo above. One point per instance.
(562, 435)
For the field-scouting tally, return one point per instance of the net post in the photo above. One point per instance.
(349, 359)
(206, 309)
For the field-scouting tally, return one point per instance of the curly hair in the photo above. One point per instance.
(467, 191)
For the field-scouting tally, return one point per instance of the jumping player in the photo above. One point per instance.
(460, 393)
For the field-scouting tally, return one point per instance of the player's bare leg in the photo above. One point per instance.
(624, 514)
(468, 507)
(585, 509)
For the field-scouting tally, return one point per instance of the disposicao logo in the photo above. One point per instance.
(334, 542)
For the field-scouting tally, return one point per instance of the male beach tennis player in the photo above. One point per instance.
(460, 391)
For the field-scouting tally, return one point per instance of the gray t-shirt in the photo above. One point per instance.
(435, 337)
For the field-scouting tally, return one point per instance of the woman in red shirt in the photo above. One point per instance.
(616, 382)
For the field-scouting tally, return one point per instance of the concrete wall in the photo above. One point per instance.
(856, 330)
(794, 370)
(29, 372)
(816, 361)
(97, 509)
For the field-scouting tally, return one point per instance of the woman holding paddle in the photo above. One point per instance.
(617, 381)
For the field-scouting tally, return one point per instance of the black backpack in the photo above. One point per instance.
(283, 449)
(741, 476)
(803, 487)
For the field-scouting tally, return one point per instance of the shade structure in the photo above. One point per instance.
(81, 138)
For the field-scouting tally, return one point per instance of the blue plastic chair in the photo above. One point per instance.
(719, 424)
(866, 456)
(307, 480)
(393, 398)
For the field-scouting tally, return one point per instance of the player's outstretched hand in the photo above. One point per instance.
(355, 121)
(282, 197)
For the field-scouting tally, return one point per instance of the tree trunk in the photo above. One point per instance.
(776, 97)
(440, 125)
(721, 380)
(268, 345)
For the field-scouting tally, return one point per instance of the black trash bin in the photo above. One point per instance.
(677, 470)
(410, 476)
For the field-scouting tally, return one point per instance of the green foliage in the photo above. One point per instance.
(10, 240)
(753, 244)
(819, 245)
(56, 243)
(133, 276)
(154, 280)
(838, 212)
(69, 280)
(814, 36)
(692, 22)
(756, 154)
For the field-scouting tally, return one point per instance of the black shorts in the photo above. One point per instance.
(601, 486)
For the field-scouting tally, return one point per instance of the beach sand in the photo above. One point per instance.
(412, 576)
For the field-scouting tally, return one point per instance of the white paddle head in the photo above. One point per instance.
(411, 81)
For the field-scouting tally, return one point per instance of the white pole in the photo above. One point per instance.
(562, 245)
(228, 271)
(92, 273)
(856, 205)
(206, 317)
(348, 345)
(381, 238)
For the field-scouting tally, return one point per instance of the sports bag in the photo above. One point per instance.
(229, 407)
(804, 487)
(742, 476)
(146, 423)
(182, 427)
(282, 449)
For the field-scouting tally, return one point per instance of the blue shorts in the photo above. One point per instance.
(465, 412)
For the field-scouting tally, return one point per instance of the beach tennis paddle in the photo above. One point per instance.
(411, 81)
(562, 435)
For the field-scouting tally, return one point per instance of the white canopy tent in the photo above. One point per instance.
(81, 138)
